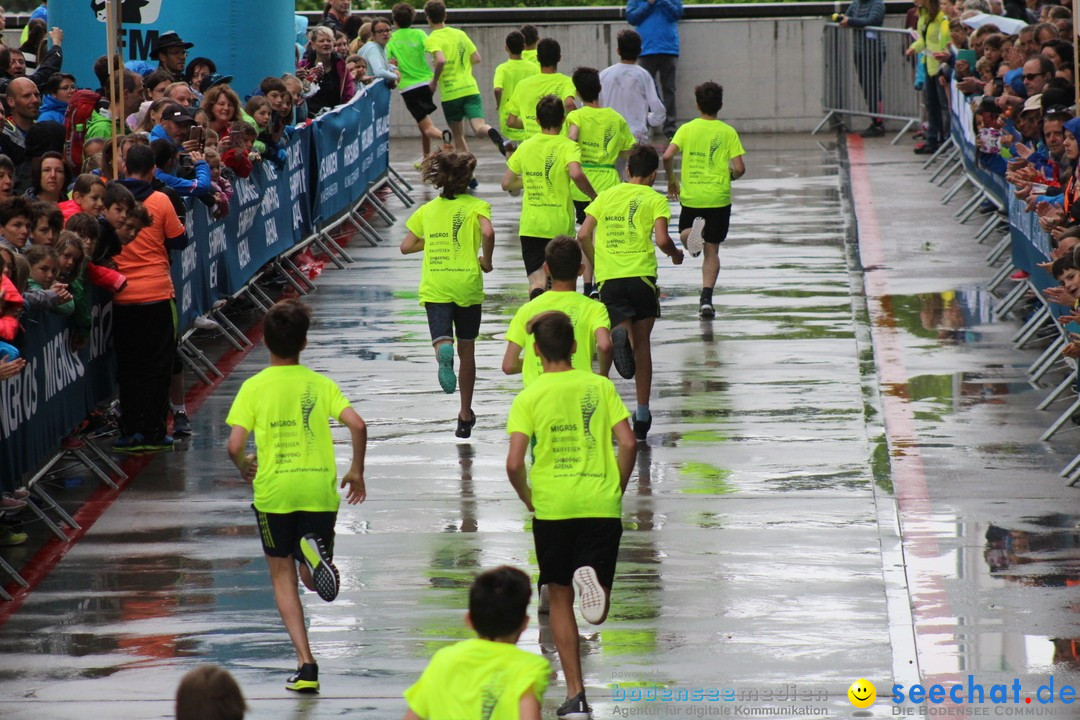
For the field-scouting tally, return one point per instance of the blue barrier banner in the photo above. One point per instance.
(259, 226)
(189, 269)
(55, 392)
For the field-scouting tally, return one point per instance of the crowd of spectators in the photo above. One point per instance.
(78, 211)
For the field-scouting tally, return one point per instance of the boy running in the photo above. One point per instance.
(521, 110)
(406, 47)
(604, 138)
(616, 238)
(487, 676)
(544, 165)
(450, 230)
(507, 77)
(532, 37)
(592, 328)
(575, 488)
(713, 157)
(287, 406)
(455, 54)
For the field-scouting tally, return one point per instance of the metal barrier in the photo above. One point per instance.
(866, 73)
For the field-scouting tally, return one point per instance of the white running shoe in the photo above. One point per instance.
(695, 242)
(592, 600)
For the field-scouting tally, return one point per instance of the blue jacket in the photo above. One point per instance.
(159, 133)
(198, 187)
(52, 110)
(657, 23)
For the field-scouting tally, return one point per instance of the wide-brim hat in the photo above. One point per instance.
(170, 39)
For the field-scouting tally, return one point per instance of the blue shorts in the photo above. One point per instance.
(447, 320)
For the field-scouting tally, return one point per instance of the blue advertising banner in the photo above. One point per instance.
(248, 39)
(56, 391)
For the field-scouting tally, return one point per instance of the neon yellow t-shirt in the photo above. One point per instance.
(546, 207)
(456, 80)
(586, 315)
(287, 407)
(451, 232)
(507, 77)
(406, 45)
(622, 243)
(705, 177)
(528, 56)
(574, 472)
(529, 92)
(602, 135)
(478, 679)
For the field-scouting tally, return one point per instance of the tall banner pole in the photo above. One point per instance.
(114, 46)
(1076, 53)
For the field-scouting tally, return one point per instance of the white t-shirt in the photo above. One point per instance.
(630, 91)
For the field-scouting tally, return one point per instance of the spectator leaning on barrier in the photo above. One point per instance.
(374, 53)
(322, 66)
(869, 55)
(627, 88)
(933, 42)
(657, 21)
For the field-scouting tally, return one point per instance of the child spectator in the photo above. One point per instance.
(298, 103)
(7, 177)
(46, 222)
(406, 47)
(239, 154)
(71, 270)
(357, 66)
(15, 215)
(547, 209)
(487, 676)
(507, 77)
(616, 239)
(119, 203)
(592, 325)
(288, 408)
(450, 230)
(88, 196)
(209, 693)
(712, 158)
(42, 290)
(575, 487)
(11, 301)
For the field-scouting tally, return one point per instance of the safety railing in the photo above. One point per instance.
(865, 72)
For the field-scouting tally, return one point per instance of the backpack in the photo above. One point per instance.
(81, 107)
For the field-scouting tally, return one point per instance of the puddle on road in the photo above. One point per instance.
(949, 317)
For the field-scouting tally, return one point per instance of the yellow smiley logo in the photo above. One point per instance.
(862, 693)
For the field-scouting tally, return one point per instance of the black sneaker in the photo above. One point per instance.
(594, 294)
(875, 130)
(447, 137)
(622, 353)
(575, 709)
(464, 427)
(497, 138)
(641, 428)
(323, 573)
(181, 425)
(304, 680)
(706, 311)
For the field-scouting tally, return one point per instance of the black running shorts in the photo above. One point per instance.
(281, 532)
(532, 252)
(563, 546)
(717, 221)
(419, 102)
(633, 298)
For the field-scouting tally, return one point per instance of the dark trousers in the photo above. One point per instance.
(662, 68)
(934, 95)
(869, 61)
(144, 337)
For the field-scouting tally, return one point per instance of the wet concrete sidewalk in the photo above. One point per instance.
(761, 552)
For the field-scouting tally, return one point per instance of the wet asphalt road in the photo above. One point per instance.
(762, 551)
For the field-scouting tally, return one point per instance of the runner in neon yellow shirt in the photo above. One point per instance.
(592, 327)
(507, 77)
(575, 487)
(712, 158)
(545, 165)
(521, 109)
(532, 37)
(406, 48)
(288, 407)
(616, 239)
(604, 138)
(450, 230)
(488, 676)
(455, 54)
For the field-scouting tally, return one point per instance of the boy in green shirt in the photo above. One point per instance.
(455, 54)
(450, 230)
(712, 158)
(592, 328)
(406, 48)
(287, 406)
(575, 488)
(507, 77)
(488, 676)
(617, 239)
(545, 165)
(604, 138)
(522, 106)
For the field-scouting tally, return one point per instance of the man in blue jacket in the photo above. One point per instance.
(657, 21)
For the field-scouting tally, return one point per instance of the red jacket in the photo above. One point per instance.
(107, 278)
(9, 323)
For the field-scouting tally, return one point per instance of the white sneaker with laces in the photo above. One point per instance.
(592, 600)
(695, 241)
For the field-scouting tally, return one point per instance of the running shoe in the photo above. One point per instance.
(447, 379)
(695, 242)
(9, 503)
(130, 443)
(543, 601)
(497, 138)
(159, 444)
(181, 424)
(876, 129)
(622, 353)
(592, 600)
(20, 493)
(706, 311)
(11, 538)
(323, 572)
(447, 137)
(304, 680)
(575, 709)
(464, 427)
(641, 428)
